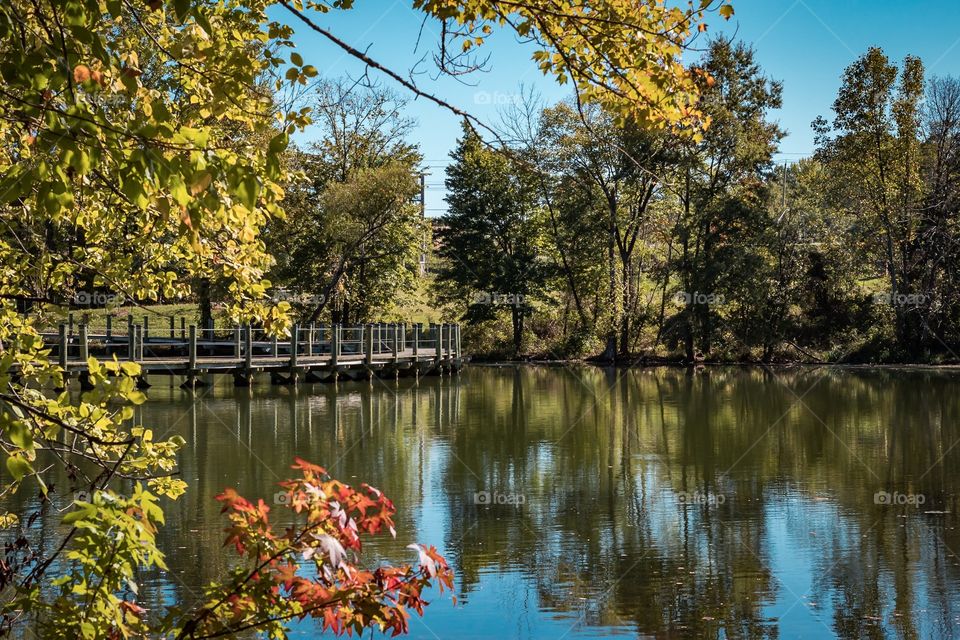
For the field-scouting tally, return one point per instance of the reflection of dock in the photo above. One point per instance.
(316, 353)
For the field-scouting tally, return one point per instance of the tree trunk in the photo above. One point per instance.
(517, 316)
(205, 304)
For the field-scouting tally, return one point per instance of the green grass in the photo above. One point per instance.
(158, 317)
(415, 307)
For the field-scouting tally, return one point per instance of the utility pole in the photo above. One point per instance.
(423, 218)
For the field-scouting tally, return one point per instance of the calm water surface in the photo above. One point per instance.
(732, 503)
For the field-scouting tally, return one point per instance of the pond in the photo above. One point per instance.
(576, 502)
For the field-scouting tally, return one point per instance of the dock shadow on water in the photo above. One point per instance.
(582, 503)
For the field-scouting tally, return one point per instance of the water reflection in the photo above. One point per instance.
(730, 503)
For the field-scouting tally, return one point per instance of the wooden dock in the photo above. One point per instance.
(313, 353)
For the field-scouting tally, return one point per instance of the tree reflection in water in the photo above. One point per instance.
(727, 503)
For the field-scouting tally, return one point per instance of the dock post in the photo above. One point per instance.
(84, 346)
(70, 321)
(141, 336)
(146, 328)
(183, 327)
(130, 333)
(438, 334)
(310, 341)
(191, 382)
(236, 342)
(131, 341)
(193, 348)
(84, 354)
(395, 342)
(294, 348)
(62, 356)
(368, 345)
(244, 377)
(294, 344)
(248, 347)
(416, 340)
(335, 345)
(173, 328)
(456, 343)
(109, 326)
(275, 349)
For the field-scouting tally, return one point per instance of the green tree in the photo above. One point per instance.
(720, 183)
(352, 235)
(621, 169)
(489, 239)
(872, 151)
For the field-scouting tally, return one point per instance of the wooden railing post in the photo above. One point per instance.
(236, 341)
(70, 322)
(146, 327)
(438, 334)
(310, 340)
(193, 348)
(368, 344)
(416, 340)
(457, 343)
(109, 326)
(248, 349)
(294, 344)
(395, 342)
(335, 344)
(64, 346)
(140, 333)
(275, 348)
(183, 327)
(131, 341)
(84, 346)
(173, 327)
(130, 329)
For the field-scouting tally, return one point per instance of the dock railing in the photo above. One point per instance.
(148, 340)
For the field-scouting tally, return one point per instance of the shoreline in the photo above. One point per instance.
(703, 365)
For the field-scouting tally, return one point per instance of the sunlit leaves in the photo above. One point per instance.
(134, 158)
(622, 54)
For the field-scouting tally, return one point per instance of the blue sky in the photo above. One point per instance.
(804, 43)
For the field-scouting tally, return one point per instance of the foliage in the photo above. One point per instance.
(310, 568)
(700, 248)
(353, 236)
(139, 152)
(143, 152)
(488, 240)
